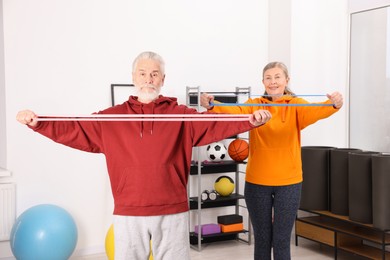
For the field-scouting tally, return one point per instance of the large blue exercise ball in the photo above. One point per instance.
(44, 232)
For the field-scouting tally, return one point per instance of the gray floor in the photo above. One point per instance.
(240, 251)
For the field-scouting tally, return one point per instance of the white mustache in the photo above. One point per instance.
(148, 92)
(149, 86)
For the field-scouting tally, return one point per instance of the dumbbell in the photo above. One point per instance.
(209, 195)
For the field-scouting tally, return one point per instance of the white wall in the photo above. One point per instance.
(311, 38)
(319, 63)
(61, 57)
(279, 31)
(361, 5)
(3, 136)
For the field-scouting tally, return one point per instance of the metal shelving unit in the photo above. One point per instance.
(199, 169)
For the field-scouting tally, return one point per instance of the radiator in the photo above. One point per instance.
(7, 209)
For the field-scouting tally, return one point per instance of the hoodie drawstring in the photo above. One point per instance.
(152, 123)
(142, 126)
(284, 112)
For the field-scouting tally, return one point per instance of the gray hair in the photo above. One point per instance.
(152, 56)
(283, 67)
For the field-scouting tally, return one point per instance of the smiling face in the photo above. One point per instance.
(275, 82)
(148, 79)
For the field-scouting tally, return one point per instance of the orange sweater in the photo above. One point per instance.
(275, 148)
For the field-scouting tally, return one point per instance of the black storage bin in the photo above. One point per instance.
(229, 219)
(360, 186)
(315, 186)
(339, 180)
(381, 191)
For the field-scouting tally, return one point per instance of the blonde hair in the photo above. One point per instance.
(283, 67)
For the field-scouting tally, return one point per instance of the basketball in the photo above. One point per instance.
(238, 150)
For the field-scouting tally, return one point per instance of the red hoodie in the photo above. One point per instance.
(148, 161)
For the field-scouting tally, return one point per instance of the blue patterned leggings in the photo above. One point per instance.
(276, 232)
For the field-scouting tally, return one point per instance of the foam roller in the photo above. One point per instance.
(315, 167)
(339, 180)
(360, 186)
(381, 191)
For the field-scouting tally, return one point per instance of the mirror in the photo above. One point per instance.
(369, 100)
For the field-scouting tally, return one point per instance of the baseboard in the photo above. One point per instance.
(89, 251)
(76, 254)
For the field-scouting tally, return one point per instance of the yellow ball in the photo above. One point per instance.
(110, 245)
(224, 185)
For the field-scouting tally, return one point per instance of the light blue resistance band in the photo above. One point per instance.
(268, 105)
(264, 95)
(291, 95)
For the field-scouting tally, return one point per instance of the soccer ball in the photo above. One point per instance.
(216, 151)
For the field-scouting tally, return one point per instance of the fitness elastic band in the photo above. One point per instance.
(146, 117)
(268, 105)
(262, 95)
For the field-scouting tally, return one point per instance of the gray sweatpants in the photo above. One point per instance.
(169, 235)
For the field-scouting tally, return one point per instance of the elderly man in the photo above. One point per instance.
(148, 161)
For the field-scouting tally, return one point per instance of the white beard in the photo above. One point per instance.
(147, 95)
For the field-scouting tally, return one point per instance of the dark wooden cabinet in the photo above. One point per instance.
(343, 234)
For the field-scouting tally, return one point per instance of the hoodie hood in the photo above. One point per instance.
(282, 100)
(155, 107)
(133, 100)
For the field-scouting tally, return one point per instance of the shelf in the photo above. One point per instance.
(230, 200)
(314, 233)
(215, 167)
(350, 229)
(229, 97)
(215, 237)
(342, 218)
(366, 251)
(343, 234)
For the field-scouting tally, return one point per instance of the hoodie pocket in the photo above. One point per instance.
(150, 185)
(275, 164)
(122, 181)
